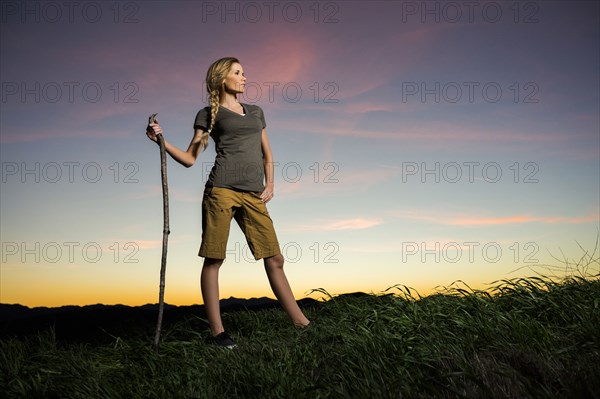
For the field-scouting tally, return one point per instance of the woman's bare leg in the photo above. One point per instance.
(283, 292)
(209, 283)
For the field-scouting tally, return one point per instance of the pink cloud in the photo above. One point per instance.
(341, 183)
(352, 224)
(148, 244)
(467, 220)
(476, 221)
(71, 121)
(340, 225)
(430, 132)
(20, 135)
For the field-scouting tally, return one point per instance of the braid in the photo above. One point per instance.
(214, 107)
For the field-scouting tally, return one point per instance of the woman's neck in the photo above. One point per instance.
(229, 100)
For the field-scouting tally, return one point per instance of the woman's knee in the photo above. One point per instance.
(212, 262)
(274, 262)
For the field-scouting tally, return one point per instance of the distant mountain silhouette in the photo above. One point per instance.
(104, 322)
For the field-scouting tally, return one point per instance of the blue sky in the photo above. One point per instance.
(418, 143)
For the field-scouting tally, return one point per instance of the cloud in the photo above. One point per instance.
(470, 220)
(96, 121)
(431, 134)
(337, 182)
(148, 244)
(340, 225)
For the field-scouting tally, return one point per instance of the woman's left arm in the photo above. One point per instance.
(267, 195)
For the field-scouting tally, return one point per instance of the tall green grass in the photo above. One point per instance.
(533, 337)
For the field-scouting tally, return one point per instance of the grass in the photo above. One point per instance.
(534, 337)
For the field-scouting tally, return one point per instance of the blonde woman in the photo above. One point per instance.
(239, 185)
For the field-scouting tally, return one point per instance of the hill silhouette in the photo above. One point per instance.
(101, 323)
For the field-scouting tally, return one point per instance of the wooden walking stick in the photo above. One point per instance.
(163, 262)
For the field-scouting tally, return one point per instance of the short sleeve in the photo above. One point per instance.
(202, 119)
(261, 116)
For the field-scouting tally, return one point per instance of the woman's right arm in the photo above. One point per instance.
(186, 158)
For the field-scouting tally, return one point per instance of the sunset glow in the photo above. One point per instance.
(412, 147)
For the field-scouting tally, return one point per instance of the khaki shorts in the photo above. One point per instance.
(219, 206)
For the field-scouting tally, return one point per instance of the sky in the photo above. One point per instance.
(420, 144)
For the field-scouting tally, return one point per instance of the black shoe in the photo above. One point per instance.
(223, 339)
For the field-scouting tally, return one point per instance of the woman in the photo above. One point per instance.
(235, 189)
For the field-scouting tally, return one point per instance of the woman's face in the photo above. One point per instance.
(235, 81)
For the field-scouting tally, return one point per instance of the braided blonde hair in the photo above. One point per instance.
(214, 85)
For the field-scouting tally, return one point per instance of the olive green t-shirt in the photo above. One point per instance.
(239, 161)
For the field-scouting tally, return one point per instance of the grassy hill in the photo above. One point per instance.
(524, 338)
